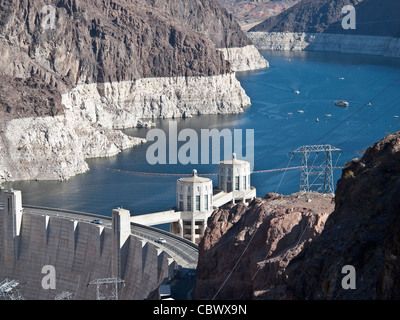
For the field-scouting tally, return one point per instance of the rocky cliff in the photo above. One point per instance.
(245, 250)
(317, 25)
(282, 247)
(373, 18)
(88, 67)
(363, 232)
(214, 21)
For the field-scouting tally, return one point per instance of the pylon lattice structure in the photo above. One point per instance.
(313, 177)
(64, 296)
(107, 289)
(9, 291)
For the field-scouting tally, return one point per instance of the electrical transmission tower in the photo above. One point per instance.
(9, 291)
(107, 289)
(313, 177)
(64, 296)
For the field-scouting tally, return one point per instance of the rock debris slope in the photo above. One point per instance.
(105, 66)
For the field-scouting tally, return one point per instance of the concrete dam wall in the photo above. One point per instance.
(80, 252)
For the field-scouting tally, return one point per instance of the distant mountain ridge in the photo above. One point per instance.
(374, 18)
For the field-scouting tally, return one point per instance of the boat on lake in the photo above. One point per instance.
(342, 103)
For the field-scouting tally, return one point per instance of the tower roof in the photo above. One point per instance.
(195, 178)
(235, 161)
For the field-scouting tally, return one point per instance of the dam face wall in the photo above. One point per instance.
(80, 252)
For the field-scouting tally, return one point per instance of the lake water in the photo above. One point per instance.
(320, 78)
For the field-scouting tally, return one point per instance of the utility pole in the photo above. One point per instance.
(313, 177)
(107, 289)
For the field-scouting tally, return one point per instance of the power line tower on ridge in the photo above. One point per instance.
(314, 177)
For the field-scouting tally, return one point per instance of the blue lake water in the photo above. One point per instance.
(321, 78)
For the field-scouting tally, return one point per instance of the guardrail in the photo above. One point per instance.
(169, 234)
(98, 216)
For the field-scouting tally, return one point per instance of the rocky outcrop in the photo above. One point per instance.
(245, 58)
(252, 12)
(289, 41)
(317, 26)
(363, 232)
(206, 17)
(218, 25)
(120, 105)
(246, 249)
(373, 18)
(55, 148)
(283, 247)
(104, 65)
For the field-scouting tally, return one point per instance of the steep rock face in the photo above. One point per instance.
(100, 51)
(102, 41)
(317, 26)
(373, 17)
(122, 104)
(208, 18)
(245, 58)
(213, 21)
(363, 232)
(245, 250)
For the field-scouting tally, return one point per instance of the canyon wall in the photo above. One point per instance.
(293, 41)
(105, 66)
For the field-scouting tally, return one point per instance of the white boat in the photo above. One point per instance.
(297, 92)
(369, 104)
(317, 120)
(300, 111)
(342, 103)
(328, 115)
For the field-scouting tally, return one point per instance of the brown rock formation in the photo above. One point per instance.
(245, 250)
(96, 42)
(208, 18)
(363, 231)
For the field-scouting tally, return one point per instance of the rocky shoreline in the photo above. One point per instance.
(245, 58)
(106, 67)
(55, 148)
(302, 41)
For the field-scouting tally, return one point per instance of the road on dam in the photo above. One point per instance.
(184, 252)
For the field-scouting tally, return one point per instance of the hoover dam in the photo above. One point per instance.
(79, 251)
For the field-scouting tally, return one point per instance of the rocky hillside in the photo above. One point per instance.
(282, 247)
(100, 41)
(252, 12)
(208, 18)
(374, 18)
(363, 231)
(73, 72)
(245, 250)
